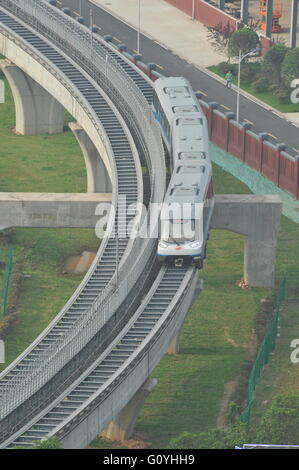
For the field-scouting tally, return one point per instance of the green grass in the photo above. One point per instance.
(266, 97)
(44, 163)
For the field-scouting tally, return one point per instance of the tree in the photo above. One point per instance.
(245, 39)
(51, 443)
(290, 66)
(280, 423)
(220, 35)
(273, 62)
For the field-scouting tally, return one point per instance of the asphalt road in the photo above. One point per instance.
(263, 120)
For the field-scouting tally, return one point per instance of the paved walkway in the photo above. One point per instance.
(174, 30)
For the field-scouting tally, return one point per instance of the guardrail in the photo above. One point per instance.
(100, 311)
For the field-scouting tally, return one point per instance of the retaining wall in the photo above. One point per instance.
(272, 161)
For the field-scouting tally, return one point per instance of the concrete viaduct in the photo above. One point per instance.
(41, 93)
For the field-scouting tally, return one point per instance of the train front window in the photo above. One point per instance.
(178, 231)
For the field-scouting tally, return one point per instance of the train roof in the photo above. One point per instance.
(176, 96)
(189, 183)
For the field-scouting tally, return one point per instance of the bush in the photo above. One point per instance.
(273, 61)
(249, 72)
(225, 67)
(261, 85)
(235, 435)
(280, 423)
(51, 443)
(290, 66)
(283, 95)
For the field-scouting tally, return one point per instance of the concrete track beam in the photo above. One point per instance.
(98, 179)
(123, 425)
(37, 112)
(258, 218)
(54, 210)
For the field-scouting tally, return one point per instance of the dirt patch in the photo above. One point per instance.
(78, 264)
(231, 387)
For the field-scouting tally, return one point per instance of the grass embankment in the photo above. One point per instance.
(49, 164)
(281, 375)
(266, 97)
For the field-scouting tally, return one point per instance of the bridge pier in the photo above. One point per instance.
(123, 425)
(98, 179)
(37, 112)
(257, 217)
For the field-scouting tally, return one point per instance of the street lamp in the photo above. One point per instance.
(257, 49)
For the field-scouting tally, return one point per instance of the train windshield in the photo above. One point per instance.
(178, 230)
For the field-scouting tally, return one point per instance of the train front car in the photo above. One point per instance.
(185, 216)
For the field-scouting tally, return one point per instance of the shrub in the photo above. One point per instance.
(225, 67)
(280, 423)
(273, 61)
(261, 85)
(249, 72)
(290, 66)
(283, 95)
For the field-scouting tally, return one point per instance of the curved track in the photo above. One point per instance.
(74, 394)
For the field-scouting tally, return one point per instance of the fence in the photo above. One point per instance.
(265, 349)
(272, 161)
(5, 282)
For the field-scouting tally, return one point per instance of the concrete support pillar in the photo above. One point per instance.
(174, 345)
(123, 426)
(98, 179)
(37, 112)
(257, 217)
(294, 16)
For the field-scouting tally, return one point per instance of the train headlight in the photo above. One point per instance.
(163, 244)
(194, 245)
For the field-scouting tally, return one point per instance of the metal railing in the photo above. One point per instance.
(143, 123)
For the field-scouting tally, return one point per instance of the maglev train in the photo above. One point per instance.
(189, 201)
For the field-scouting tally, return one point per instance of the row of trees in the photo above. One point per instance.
(274, 72)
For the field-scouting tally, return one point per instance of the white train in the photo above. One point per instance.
(189, 200)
